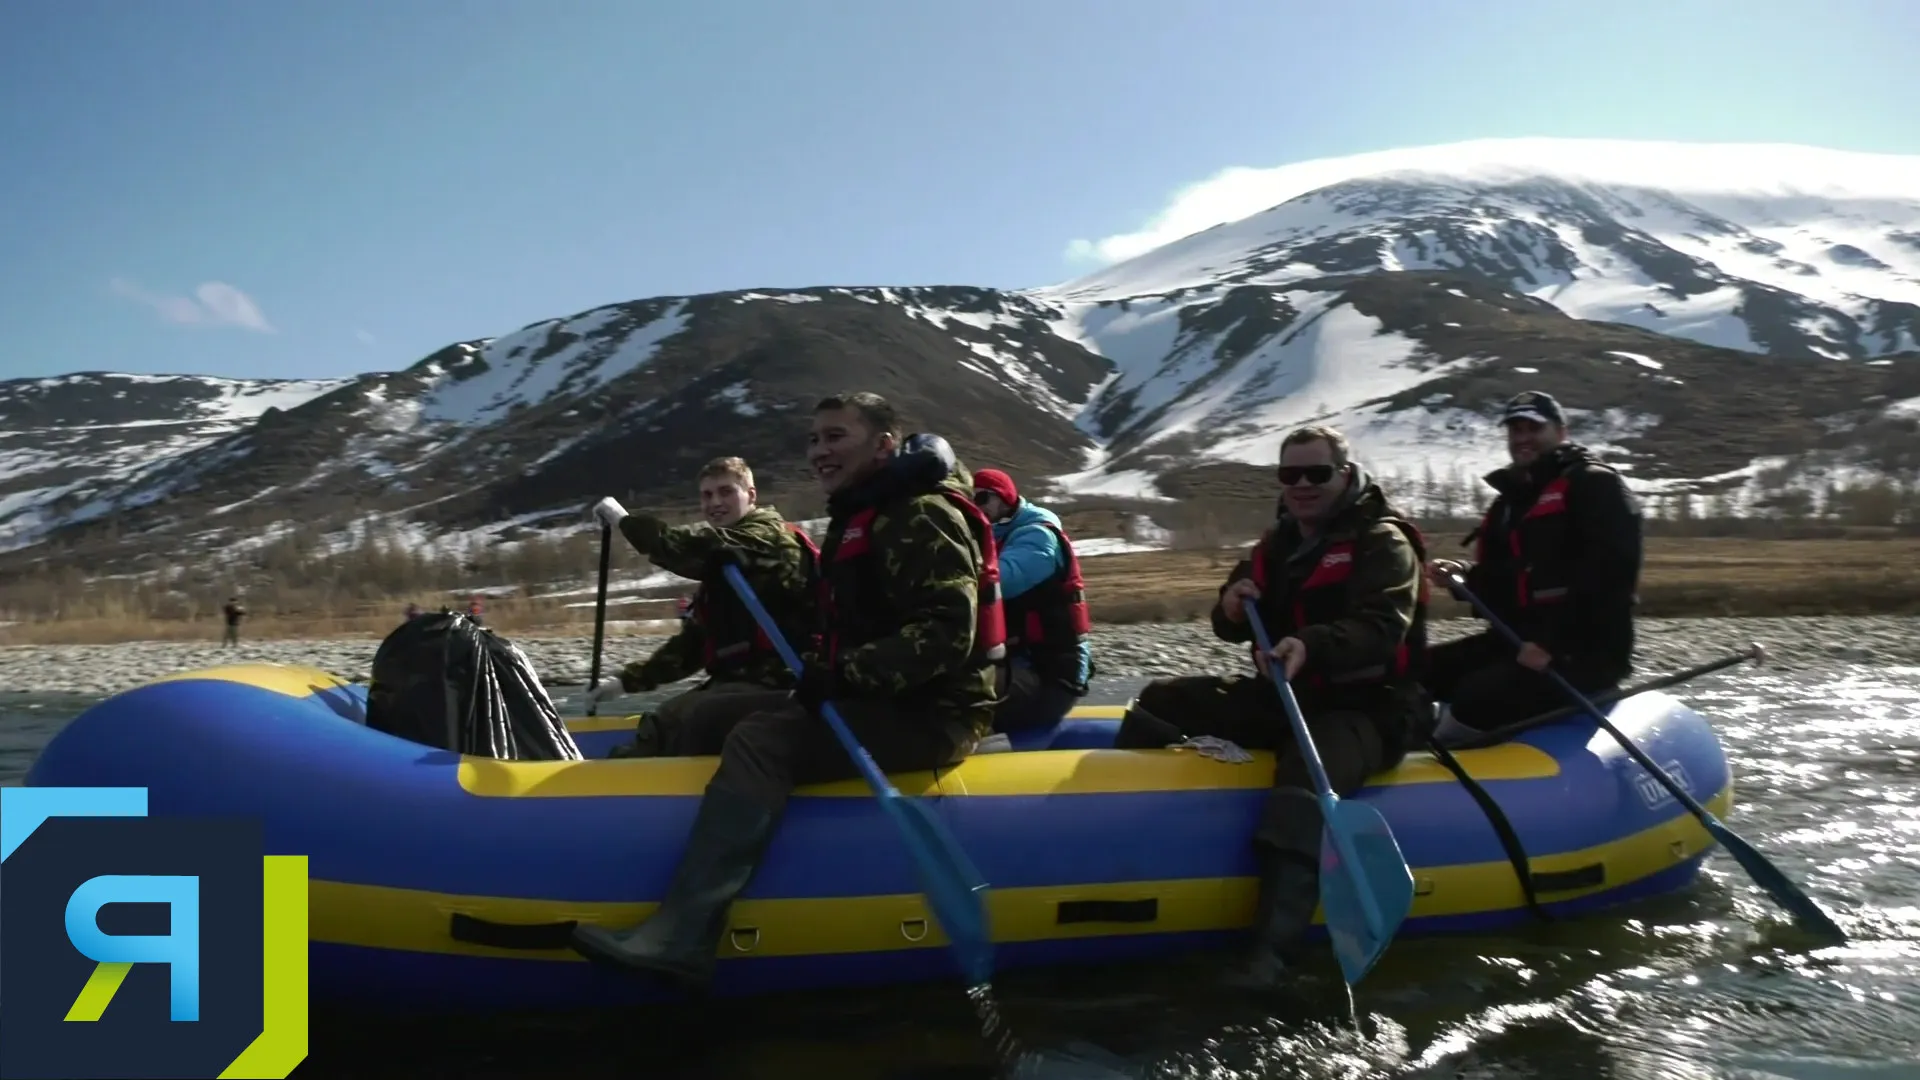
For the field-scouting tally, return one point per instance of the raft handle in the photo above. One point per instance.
(1120, 911)
(751, 933)
(532, 937)
(907, 929)
(1580, 877)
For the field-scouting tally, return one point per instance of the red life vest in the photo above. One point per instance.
(1322, 598)
(1049, 621)
(1537, 545)
(853, 595)
(732, 637)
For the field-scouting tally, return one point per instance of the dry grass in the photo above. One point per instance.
(1685, 576)
(512, 617)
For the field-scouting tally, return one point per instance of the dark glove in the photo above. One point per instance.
(717, 563)
(818, 683)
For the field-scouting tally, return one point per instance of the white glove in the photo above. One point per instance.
(606, 689)
(609, 511)
(1207, 746)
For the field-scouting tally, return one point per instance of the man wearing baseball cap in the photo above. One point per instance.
(1557, 557)
(1048, 623)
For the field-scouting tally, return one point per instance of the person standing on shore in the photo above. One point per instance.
(717, 635)
(1557, 557)
(1048, 625)
(1338, 584)
(233, 612)
(911, 655)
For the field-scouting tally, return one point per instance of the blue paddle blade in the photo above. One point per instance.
(950, 881)
(1364, 900)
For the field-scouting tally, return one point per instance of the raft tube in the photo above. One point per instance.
(448, 882)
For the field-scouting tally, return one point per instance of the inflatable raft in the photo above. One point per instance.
(449, 882)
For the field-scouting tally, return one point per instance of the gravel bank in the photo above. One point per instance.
(1137, 651)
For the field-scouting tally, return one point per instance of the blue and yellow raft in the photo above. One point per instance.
(447, 881)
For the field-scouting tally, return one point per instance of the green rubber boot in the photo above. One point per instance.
(681, 939)
(1289, 892)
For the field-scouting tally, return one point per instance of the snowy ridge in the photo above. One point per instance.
(1795, 251)
(71, 437)
(1703, 319)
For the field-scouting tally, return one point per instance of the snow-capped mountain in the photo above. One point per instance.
(1795, 251)
(1695, 331)
(1228, 332)
(72, 437)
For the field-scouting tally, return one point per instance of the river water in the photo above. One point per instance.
(1703, 985)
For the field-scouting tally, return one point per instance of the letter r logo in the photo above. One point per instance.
(178, 948)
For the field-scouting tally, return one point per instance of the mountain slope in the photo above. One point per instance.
(1792, 276)
(73, 436)
(1412, 366)
(1698, 334)
(628, 399)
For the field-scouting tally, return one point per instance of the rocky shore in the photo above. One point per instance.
(1126, 652)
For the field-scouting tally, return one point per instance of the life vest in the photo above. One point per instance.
(732, 637)
(1322, 598)
(853, 608)
(1049, 621)
(1537, 547)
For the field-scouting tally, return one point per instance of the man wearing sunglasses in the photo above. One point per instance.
(1557, 557)
(1046, 607)
(1339, 586)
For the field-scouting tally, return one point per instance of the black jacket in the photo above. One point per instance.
(1581, 553)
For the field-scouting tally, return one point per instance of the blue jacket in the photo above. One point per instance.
(1029, 555)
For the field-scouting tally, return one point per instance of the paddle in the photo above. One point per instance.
(600, 613)
(952, 885)
(1754, 652)
(1805, 912)
(1366, 887)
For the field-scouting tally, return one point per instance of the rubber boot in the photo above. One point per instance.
(681, 939)
(646, 743)
(1289, 893)
(1141, 730)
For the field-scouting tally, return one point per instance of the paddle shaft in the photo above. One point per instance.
(861, 759)
(1764, 873)
(1499, 625)
(1323, 788)
(951, 881)
(1502, 734)
(600, 612)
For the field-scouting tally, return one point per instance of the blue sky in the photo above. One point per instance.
(297, 188)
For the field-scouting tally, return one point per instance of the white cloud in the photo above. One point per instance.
(213, 303)
(363, 338)
(1769, 168)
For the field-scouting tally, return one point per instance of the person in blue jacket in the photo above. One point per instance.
(1046, 607)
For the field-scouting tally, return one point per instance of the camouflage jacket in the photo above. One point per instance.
(906, 622)
(775, 563)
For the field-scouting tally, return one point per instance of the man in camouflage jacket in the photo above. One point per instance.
(901, 655)
(718, 636)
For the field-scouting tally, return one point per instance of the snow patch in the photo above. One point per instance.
(1643, 361)
(519, 372)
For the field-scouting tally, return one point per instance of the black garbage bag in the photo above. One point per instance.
(443, 680)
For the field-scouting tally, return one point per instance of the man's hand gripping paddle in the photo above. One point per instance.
(1366, 888)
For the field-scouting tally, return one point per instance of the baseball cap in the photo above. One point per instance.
(1533, 405)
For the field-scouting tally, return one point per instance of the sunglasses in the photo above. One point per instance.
(1312, 474)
